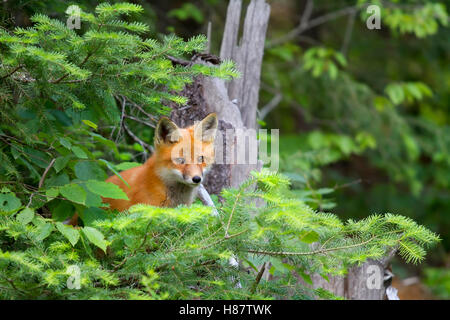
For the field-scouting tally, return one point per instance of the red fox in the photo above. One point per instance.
(175, 170)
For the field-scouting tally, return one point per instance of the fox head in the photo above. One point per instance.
(184, 155)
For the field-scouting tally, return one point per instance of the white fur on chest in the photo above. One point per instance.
(180, 193)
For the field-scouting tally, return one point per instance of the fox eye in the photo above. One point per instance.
(201, 159)
(180, 160)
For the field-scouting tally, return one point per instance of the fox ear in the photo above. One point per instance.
(206, 129)
(166, 131)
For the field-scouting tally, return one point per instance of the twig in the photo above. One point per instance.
(258, 278)
(178, 61)
(312, 24)
(348, 33)
(232, 212)
(287, 253)
(149, 124)
(41, 181)
(124, 101)
(223, 239)
(13, 71)
(273, 103)
(136, 138)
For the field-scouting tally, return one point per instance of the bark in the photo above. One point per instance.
(234, 102)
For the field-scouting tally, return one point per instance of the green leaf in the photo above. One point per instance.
(95, 237)
(89, 215)
(52, 193)
(111, 167)
(79, 152)
(69, 232)
(9, 202)
(106, 189)
(66, 143)
(74, 193)
(61, 163)
(90, 124)
(127, 165)
(110, 144)
(86, 170)
(63, 210)
(43, 231)
(25, 216)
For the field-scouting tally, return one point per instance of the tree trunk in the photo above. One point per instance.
(234, 102)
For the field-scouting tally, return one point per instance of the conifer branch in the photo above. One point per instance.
(314, 252)
(13, 71)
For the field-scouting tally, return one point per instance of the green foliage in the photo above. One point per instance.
(187, 11)
(183, 253)
(320, 60)
(438, 280)
(66, 92)
(388, 103)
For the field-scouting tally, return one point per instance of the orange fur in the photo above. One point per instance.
(164, 180)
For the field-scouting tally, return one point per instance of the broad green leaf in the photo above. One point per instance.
(62, 210)
(89, 215)
(44, 230)
(79, 152)
(126, 165)
(111, 167)
(52, 193)
(66, 143)
(106, 189)
(25, 216)
(95, 237)
(61, 163)
(69, 232)
(57, 181)
(9, 202)
(110, 144)
(86, 170)
(74, 193)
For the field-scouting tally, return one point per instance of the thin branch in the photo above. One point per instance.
(232, 212)
(223, 239)
(13, 71)
(348, 33)
(312, 24)
(136, 138)
(320, 251)
(258, 278)
(41, 181)
(122, 114)
(273, 103)
(148, 124)
(178, 61)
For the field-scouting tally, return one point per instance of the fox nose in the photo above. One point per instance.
(196, 179)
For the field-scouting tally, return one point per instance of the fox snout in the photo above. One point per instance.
(193, 175)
